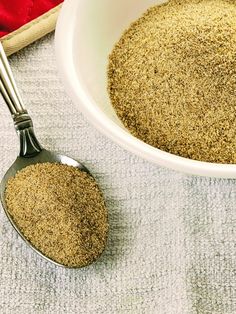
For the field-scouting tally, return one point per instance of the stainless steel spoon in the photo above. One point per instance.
(31, 152)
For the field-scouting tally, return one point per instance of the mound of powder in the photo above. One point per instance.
(61, 211)
(172, 79)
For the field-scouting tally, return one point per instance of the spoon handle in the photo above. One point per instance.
(29, 145)
(8, 86)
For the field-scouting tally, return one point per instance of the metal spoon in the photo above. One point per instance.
(31, 152)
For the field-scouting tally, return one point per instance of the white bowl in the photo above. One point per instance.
(85, 34)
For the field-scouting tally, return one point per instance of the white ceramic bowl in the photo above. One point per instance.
(85, 34)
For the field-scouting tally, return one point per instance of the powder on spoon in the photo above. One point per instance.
(60, 210)
(172, 79)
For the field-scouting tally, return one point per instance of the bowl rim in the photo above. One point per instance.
(64, 57)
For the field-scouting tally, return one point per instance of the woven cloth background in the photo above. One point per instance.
(172, 243)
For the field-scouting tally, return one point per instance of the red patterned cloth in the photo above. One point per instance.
(16, 13)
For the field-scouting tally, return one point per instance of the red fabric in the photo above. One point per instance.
(16, 13)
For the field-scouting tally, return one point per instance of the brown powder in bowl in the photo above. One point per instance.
(61, 211)
(172, 79)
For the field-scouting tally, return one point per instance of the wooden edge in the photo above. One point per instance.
(31, 31)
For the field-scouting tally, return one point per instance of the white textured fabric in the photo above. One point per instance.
(172, 242)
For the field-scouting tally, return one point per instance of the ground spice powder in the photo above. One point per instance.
(172, 79)
(61, 211)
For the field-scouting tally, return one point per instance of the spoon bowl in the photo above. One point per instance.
(21, 162)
